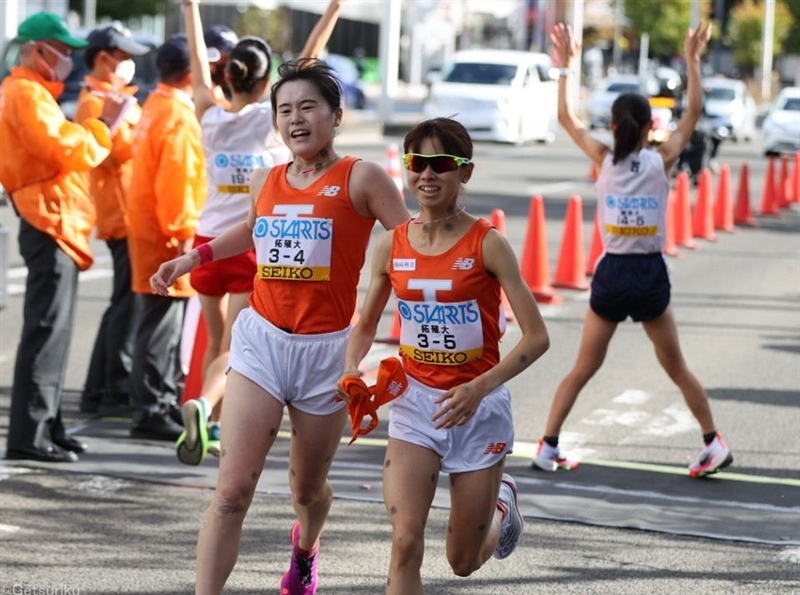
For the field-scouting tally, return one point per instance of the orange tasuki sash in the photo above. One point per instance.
(363, 401)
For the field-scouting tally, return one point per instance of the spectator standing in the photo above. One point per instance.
(167, 191)
(287, 349)
(43, 168)
(220, 41)
(111, 69)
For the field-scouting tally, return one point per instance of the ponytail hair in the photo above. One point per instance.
(630, 114)
(250, 63)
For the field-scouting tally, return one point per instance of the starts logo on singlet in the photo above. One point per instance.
(463, 264)
(329, 191)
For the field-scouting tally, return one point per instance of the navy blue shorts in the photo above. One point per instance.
(635, 285)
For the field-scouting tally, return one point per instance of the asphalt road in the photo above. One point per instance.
(628, 521)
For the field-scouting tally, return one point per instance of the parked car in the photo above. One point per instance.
(347, 72)
(498, 95)
(729, 99)
(598, 106)
(782, 125)
(146, 77)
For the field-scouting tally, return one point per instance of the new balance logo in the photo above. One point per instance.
(463, 264)
(495, 448)
(329, 191)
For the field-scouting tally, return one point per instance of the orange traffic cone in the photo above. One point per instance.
(723, 207)
(393, 165)
(535, 266)
(394, 333)
(703, 219)
(683, 212)
(783, 191)
(571, 266)
(769, 206)
(595, 248)
(796, 178)
(670, 248)
(741, 213)
(498, 220)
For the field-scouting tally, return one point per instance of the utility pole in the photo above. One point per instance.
(616, 55)
(389, 52)
(89, 13)
(766, 49)
(694, 15)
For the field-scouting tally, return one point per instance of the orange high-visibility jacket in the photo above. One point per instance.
(109, 181)
(168, 186)
(44, 159)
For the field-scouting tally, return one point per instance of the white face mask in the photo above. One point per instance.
(125, 71)
(63, 66)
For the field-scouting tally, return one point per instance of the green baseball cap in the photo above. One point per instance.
(47, 25)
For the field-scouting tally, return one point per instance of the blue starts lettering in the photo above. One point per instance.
(295, 229)
(425, 313)
(632, 202)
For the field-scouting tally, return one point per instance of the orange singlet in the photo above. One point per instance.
(310, 247)
(450, 323)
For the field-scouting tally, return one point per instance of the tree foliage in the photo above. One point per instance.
(122, 10)
(665, 22)
(271, 25)
(745, 32)
(791, 43)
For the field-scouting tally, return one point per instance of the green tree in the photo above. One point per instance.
(272, 25)
(745, 31)
(665, 22)
(122, 10)
(791, 43)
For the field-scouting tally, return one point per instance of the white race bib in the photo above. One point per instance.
(294, 248)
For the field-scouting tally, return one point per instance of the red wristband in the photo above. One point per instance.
(205, 252)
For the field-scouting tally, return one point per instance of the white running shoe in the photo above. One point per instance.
(713, 457)
(549, 458)
(511, 529)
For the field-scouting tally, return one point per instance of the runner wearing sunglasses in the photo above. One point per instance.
(447, 269)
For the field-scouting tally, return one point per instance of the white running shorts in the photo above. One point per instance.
(298, 370)
(479, 444)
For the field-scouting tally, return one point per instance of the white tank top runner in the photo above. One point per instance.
(632, 203)
(234, 145)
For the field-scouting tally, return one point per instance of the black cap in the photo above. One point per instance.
(115, 37)
(220, 39)
(172, 57)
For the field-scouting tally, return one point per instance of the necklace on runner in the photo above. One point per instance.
(315, 167)
(460, 210)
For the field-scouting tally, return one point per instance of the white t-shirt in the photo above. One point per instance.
(235, 143)
(632, 203)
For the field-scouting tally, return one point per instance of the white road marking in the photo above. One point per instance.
(98, 271)
(101, 484)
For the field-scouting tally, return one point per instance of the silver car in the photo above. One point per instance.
(498, 95)
(729, 100)
(782, 125)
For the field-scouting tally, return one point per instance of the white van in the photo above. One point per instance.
(498, 95)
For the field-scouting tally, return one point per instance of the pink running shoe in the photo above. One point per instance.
(713, 457)
(301, 578)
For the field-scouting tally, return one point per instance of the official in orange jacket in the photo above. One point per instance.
(43, 165)
(167, 191)
(111, 69)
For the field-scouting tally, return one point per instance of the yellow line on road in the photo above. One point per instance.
(526, 450)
